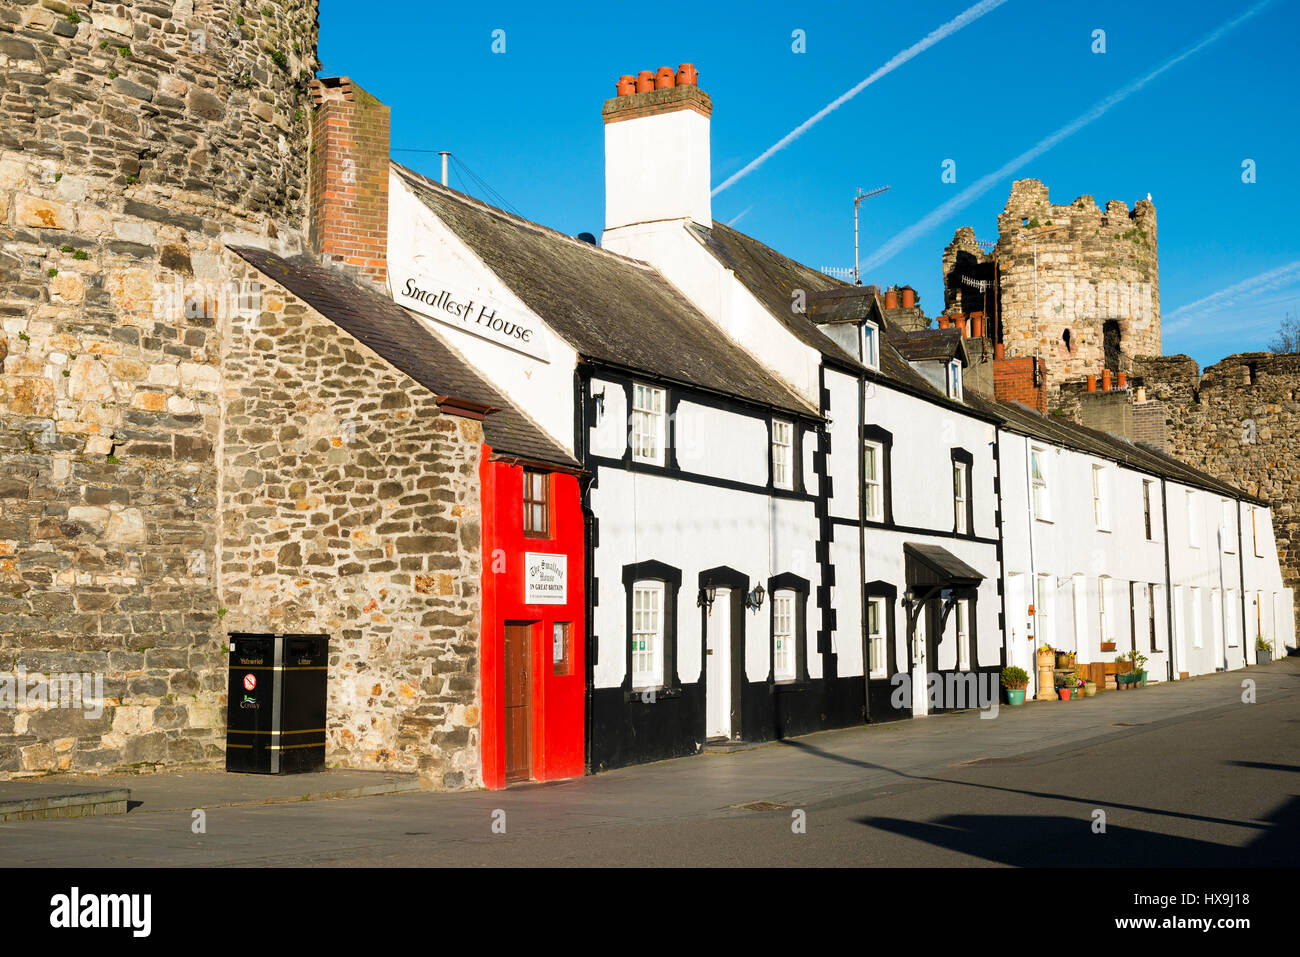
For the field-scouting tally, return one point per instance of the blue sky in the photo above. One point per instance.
(528, 122)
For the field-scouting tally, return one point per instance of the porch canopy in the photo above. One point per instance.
(934, 565)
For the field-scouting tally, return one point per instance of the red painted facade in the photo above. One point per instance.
(556, 699)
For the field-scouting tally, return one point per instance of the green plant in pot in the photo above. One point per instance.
(1263, 651)
(1015, 680)
(1139, 673)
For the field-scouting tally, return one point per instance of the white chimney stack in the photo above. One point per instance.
(657, 149)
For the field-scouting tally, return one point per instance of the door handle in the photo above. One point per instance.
(709, 651)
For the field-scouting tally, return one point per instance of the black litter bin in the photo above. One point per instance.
(276, 714)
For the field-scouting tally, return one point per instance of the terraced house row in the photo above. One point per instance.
(558, 506)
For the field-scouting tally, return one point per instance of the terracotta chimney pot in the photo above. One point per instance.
(945, 322)
(1092, 382)
(891, 298)
(909, 297)
(1123, 381)
(1105, 380)
(626, 85)
(645, 81)
(999, 351)
(664, 79)
(687, 75)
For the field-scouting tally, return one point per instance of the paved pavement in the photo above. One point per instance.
(149, 793)
(1185, 774)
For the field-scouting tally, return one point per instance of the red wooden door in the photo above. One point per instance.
(518, 701)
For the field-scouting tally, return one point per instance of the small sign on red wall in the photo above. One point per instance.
(546, 579)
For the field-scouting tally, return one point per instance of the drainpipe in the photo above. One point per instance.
(1002, 549)
(862, 555)
(1033, 569)
(1241, 570)
(1169, 584)
(588, 520)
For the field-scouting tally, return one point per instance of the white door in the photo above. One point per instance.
(718, 663)
(1019, 651)
(920, 668)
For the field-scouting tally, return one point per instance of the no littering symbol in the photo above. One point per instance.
(250, 682)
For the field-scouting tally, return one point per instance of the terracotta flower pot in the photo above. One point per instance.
(1064, 693)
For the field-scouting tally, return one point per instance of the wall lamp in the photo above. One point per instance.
(705, 598)
(754, 599)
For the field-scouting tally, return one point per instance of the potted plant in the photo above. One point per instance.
(1089, 687)
(1263, 651)
(1015, 680)
(1108, 645)
(1139, 675)
(1065, 685)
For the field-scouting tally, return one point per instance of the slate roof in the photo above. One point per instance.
(613, 310)
(410, 347)
(1140, 456)
(846, 304)
(928, 344)
(772, 278)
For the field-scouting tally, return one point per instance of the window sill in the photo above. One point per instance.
(792, 686)
(660, 693)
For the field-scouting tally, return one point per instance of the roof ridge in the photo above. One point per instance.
(475, 202)
(777, 252)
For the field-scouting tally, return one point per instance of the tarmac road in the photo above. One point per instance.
(1185, 774)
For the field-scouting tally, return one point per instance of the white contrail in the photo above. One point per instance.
(985, 183)
(739, 216)
(1278, 278)
(949, 28)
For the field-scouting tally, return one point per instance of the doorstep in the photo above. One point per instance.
(724, 746)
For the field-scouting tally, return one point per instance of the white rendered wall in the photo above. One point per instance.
(695, 527)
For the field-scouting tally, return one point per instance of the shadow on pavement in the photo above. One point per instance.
(1053, 841)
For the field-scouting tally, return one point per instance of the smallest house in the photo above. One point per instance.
(353, 464)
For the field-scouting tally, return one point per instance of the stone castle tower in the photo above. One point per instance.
(1096, 282)
(136, 140)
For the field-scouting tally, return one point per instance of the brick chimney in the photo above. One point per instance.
(1017, 380)
(657, 149)
(349, 178)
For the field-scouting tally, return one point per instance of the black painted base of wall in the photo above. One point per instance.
(630, 728)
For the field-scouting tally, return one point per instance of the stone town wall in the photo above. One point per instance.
(134, 139)
(350, 505)
(1239, 420)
